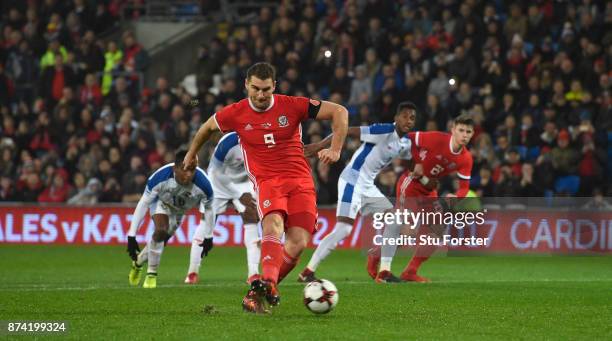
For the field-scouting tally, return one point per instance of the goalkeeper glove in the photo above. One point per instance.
(133, 248)
(206, 245)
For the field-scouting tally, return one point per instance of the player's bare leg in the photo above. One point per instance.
(264, 291)
(156, 247)
(342, 229)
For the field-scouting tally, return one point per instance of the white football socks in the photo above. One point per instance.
(155, 252)
(388, 251)
(253, 249)
(328, 244)
(143, 256)
(195, 256)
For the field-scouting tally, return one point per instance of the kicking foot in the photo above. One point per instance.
(373, 261)
(260, 296)
(306, 276)
(386, 276)
(413, 277)
(192, 278)
(252, 278)
(272, 294)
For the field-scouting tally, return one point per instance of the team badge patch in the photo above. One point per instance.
(267, 203)
(282, 121)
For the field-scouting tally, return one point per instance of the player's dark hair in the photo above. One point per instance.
(465, 119)
(262, 71)
(405, 105)
(179, 157)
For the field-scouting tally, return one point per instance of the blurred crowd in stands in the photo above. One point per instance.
(76, 125)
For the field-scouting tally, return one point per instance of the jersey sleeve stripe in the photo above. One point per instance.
(360, 159)
(217, 123)
(201, 180)
(384, 128)
(226, 143)
(164, 173)
(347, 195)
(416, 139)
(464, 177)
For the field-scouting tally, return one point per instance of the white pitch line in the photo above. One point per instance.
(43, 287)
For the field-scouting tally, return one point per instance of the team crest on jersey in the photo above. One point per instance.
(267, 203)
(282, 121)
(452, 165)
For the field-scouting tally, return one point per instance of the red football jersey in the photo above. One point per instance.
(433, 150)
(271, 140)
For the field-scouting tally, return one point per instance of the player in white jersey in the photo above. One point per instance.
(231, 183)
(170, 192)
(381, 144)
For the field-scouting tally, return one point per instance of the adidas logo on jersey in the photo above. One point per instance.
(248, 127)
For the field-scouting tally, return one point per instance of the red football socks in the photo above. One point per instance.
(288, 264)
(271, 258)
(421, 254)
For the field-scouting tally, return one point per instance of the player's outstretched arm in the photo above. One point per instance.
(137, 217)
(339, 117)
(204, 232)
(313, 149)
(203, 134)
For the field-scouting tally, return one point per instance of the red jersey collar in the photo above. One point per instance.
(450, 147)
(259, 110)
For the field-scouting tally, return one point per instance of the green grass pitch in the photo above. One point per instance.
(535, 297)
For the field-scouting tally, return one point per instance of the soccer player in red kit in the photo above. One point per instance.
(270, 133)
(436, 155)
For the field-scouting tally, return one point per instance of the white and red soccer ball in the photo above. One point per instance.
(320, 296)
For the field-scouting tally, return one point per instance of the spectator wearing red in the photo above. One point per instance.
(7, 190)
(135, 58)
(57, 192)
(55, 79)
(42, 140)
(564, 157)
(91, 92)
(437, 35)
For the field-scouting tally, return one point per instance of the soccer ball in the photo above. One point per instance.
(320, 296)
